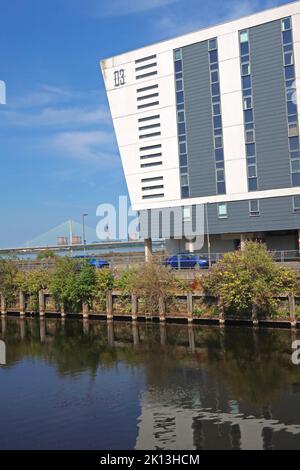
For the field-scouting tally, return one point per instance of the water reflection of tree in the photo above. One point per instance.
(254, 366)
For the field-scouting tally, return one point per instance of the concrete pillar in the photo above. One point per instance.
(42, 303)
(244, 239)
(148, 250)
(109, 306)
(85, 310)
(292, 310)
(162, 308)
(134, 307)
(190, 307)
(3, 306)
(22, 304)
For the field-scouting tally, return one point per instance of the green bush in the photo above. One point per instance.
(72, 283)
(8, 285)
(250, 278)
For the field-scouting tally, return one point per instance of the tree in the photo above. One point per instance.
(8, 273)
(249, 279)
(73, 282)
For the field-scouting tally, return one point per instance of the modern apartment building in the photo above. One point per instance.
(210, 119)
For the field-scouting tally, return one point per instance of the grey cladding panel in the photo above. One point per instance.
(276, 214)
(270, 106)
(199, 120)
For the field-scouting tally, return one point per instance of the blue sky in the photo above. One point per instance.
(58, 152)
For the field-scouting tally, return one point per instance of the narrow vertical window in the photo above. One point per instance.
(181, 124)
(246, 78)
(217, 115)
(291, 99)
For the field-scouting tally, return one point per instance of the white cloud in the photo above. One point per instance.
(56, 117)
(42, 96)
(127, 7)
(91, 147)
(175, 23)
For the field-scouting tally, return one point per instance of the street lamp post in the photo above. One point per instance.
(208, 235)
(83, 231)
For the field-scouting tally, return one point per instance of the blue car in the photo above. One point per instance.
(96, 262)
(186, 261)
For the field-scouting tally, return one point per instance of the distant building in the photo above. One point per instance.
(211, 118)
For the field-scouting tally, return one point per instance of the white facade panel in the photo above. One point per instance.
(236, 176)
(124, 108)
(232, 109)
(230, 76)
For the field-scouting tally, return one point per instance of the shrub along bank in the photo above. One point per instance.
(243, 282)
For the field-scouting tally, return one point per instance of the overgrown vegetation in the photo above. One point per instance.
(249, 279)
(241, 281)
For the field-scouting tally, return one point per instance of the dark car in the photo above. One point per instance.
(187, 261)
(96, 262)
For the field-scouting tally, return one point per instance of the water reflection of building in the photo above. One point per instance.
(171, 426)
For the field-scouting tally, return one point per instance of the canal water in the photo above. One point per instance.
(69, 384)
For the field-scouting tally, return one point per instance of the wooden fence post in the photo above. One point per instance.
(292, 310)
(134, 307)
(41, 303)
(162, 308)
(3, 306)
(109, 306)
(22, 304)
(189, 298)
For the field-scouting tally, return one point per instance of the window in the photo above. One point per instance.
(248, 103)
(219, 154)
(181, 117)
(288, 58)
(296, 203)
(213, 57)
(246, 82)
(244, 36)
(179, 85)
(178, 66)
(212, 44)
(183, 160)
(218, 142)
(250, 137)
(187, 214)
(293, 130)
(246, 69)
(177, 54)
(286, 24)
(254, 207)
(295, 166)
(222, 210)
(184, 180)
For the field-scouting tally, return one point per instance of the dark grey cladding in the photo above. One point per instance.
(270, 116)
(275, 214)
(200, 144)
